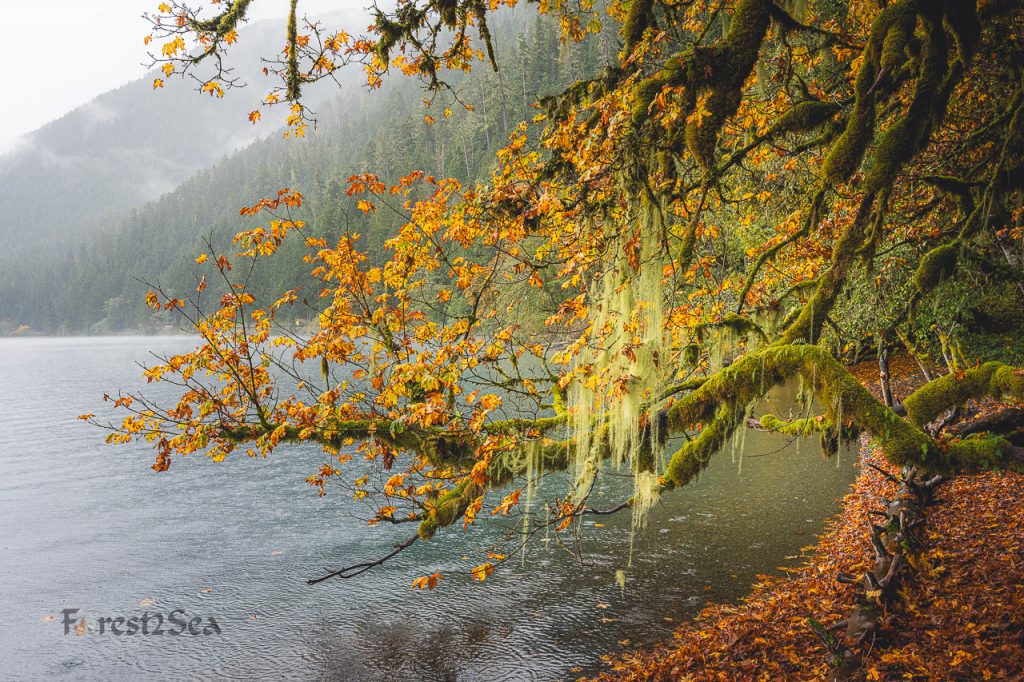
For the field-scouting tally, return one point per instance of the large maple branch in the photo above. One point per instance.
(719, 405)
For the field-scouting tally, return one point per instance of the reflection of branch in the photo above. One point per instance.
(358, 569)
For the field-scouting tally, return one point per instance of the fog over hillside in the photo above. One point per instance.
(131, 145)
(127, 187)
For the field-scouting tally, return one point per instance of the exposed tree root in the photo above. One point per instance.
(895, 543)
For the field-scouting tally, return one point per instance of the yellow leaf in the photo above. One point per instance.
(482, 571)
(173, 47)
(426, 582)
(479, 473)
(213, 89)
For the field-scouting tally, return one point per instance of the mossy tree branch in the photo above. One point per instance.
(718, 407)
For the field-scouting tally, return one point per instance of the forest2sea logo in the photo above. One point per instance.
(177, 622)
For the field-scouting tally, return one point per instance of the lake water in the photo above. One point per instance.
(89, 526)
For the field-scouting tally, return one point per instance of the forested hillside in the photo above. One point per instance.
(89, 281)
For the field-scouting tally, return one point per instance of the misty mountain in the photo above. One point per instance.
(92, 283)
(128, 146)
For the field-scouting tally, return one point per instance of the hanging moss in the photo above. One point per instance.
(627, 329)
(646, 493)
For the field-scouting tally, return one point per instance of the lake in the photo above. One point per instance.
(91, 527)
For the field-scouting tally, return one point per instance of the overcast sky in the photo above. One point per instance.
(58, 54)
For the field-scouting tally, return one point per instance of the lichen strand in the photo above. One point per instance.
(623, 373)
(646, 492)
(730, 336)
(901, 441)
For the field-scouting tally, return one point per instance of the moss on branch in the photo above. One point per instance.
(993, 379)
(713, 72)
(449, 508)
(717, 407)
(719, 404)
(226, 21)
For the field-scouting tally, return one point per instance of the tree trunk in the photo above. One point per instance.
(883, 373)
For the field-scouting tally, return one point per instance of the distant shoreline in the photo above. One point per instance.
(86, 335)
